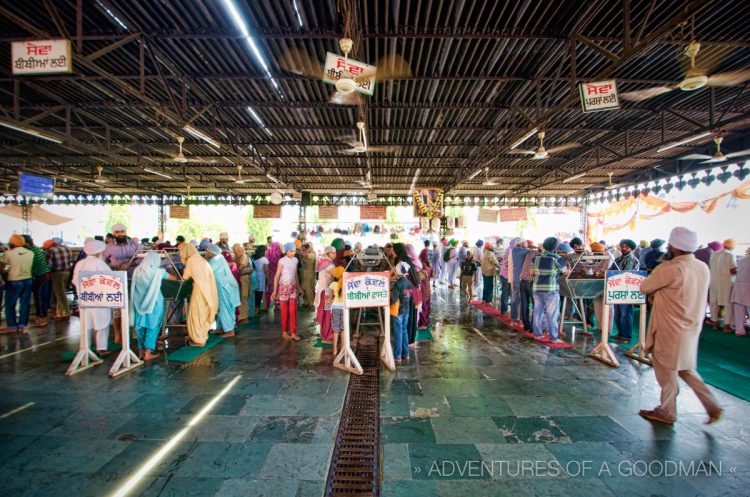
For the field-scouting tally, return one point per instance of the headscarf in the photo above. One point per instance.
(657, 243)
(730, 243)
(18, 241)
(413, 257)
(204, 244)
(186, 251)
(227, 256)
(240, 256)
(480, 243)
(214, 249)
(598, 247)
(565, 247)
(644, 243)
(683, 239)
(715, 246)
(290, 246)
(549, 244)
(92, 247)
(145, 288)
(274, 254)
(338, 244)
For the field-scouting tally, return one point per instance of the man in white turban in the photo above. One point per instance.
(224, 241)
(678, 288)
(94, 319)
(722, 265)
(119, 254)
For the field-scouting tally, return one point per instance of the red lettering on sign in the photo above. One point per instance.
(32, 49)
(598, 89)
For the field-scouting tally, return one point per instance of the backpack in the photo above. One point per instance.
(255, 279)
(447, 255)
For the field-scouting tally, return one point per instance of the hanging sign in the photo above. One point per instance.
(487, 215)
(624, 287)
(179, 211)
(102, 289)
(366, 290)
(338, 67)
(599, 96)
(267, 212)
(372, 212)
(513, 214)
(38, 186)
(328, 212)
(41, 57)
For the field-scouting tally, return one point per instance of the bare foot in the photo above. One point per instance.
(148, 356)
(296, 337)
(286, 336)
(228, 334)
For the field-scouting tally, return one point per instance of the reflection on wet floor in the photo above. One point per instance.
(470, 414)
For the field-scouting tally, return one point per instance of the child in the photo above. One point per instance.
(468, 269)
(337, 307)
(400, 301)
(285, 288)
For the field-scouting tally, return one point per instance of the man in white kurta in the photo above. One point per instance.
(94, 319)
(741, 294)
(678, 288)
(722, 280)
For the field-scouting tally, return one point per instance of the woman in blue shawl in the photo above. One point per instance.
(229, 291)
(147, 303)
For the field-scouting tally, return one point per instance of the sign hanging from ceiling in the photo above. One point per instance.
(328, 212)
(513, 214)
(487, 215)
(179, 211)
(37, 186)
(599, 96)
(372, 212)
(41, 57)
(267, 212)
(338, 67)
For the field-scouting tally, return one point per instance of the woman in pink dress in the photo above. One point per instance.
(322, 304)
(232, 265)
(274, 255)
(424, 258)
(286, 288)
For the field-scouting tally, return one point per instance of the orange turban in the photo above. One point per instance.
(598, 247)
(297, 243)
(730, 243)
(17, 241)
(48, 244)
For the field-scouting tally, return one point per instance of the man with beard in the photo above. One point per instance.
(119, 253)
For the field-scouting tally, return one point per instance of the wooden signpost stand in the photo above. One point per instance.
(639, 351)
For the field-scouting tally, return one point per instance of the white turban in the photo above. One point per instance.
(224, 235)
(683, 239)
(93, 247)
(402, 268)
(118, 227)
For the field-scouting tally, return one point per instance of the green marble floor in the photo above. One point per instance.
(482, 411)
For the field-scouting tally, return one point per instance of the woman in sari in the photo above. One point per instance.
(204, 301)
(307, 275)
(232, 265)
(322, 304)
(147, 303)
(402, 256)
(423, 321)
(274, 255)
(228, 291)
(244, 269)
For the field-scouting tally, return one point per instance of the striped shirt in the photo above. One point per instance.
(547, 270)
(39, 265)
(59, 258)
(526, 273)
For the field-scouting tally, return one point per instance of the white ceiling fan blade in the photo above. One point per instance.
(729, 78)
(392, 66)
(383, 148)
(563, 147)
(738, 154)
(299, 62)
(539, 157)
(646, 93)
(695, 157)
(523, 151)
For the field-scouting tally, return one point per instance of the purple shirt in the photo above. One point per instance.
(704, 254)
(116, 255)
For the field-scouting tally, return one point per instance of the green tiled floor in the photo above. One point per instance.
(496, 415)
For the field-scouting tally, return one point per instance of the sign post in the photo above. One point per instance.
(104, 290)
(364, 290)
(599, 96)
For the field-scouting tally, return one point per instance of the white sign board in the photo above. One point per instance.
(102, 289)
(599, 96)
(338, 66)
(41, 57)
(366, 290)
(624, 287)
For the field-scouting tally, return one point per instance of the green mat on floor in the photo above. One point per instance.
(69, 355)
(188, 353)
(423, 335)
(319, 343)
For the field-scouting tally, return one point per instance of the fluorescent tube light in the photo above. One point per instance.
(269, 176)
(669, 146)
(202, 136)
(29, 131)
(296, 10)
(163, 175)
(259, 120)
(574, 177)
(525, 137)
(414, 180)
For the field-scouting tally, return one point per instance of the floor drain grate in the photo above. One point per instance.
(354, 465)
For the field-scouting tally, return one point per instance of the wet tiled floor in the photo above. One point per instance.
(480, 411)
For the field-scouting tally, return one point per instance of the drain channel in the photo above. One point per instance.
(354, 465)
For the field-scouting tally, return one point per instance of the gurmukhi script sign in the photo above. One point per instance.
(599, 96)
(41, 57)
(101, 289)
(624, 287)
(366, 290)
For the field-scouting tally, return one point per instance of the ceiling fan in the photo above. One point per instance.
(487, 180)
(360, 146)
(367, 181)
(239, 179)
(719, 156)
(181, 159)
(695, 78)
(99, 178)
(544, 153)
(610, 186)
